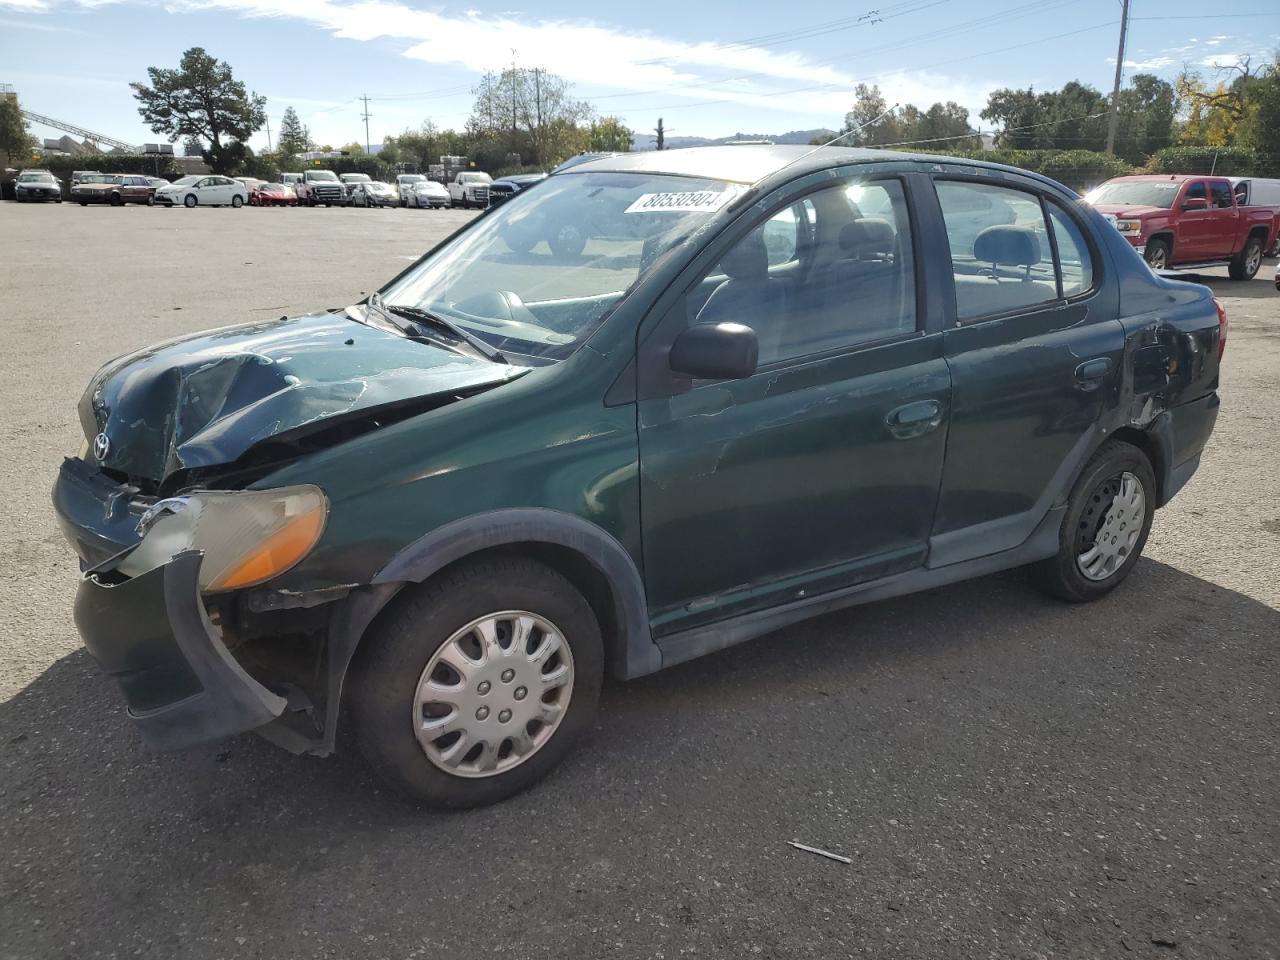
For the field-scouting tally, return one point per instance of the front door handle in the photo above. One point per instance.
(914, 419)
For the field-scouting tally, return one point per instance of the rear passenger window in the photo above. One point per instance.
(1073, 253)
(1000, 248)
(833, 270)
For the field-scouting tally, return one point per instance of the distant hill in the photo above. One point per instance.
(644, 141)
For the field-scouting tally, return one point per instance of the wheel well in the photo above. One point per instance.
(1260, 232)
(1150, 448)
(579, 571)
(1166, 237)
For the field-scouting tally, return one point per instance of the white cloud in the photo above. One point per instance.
(26, 6)
(1148, 65)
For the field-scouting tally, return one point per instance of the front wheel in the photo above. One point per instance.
(237, 202)
(474, 686)
(189, 200)
(1157, 254)
(1245, 264)
(1108, 519)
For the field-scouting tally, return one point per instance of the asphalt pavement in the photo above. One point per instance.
(1010, 776)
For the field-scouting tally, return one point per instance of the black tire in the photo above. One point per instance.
(189, 200)
(1157, 254)
(236, 202)
(1090, 500)
(116, 200)
(399, 645)
(151, 199)
(520, 241)
(1244, 265)
(84, 203)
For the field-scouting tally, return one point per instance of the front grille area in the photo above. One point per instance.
(482, 194)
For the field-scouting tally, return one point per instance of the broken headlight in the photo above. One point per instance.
(247, 536)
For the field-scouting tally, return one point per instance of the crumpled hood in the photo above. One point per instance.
(205, 399)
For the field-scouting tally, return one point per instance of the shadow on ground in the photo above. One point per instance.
(1011, 776)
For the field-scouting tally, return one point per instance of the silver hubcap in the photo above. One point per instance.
(1117, 529)
(1255, 259)
(493, 694)
(1157, 258)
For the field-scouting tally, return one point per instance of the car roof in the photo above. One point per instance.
(751, 163)
(1167, 177)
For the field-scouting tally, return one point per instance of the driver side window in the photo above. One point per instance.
(834, 270)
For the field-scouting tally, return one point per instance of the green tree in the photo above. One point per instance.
(1261, 128)
(529, 112)
(202, 99)
(293, 138)
(865, 123)
(1015, 111)
(609, 135)
(1147, 112)
(15, 140)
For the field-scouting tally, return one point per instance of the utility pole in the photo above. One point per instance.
(662, 135)
(367, 147)
(1114, 121)
(268, 119)
(537, 99)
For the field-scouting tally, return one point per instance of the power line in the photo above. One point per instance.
(367, 147)
(970, 136)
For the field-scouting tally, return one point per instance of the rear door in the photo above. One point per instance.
(1224, 234)
(822, 469)
(1035, 351)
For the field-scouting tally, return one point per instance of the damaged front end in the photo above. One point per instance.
(180, 561)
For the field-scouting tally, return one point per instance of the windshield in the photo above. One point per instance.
(1141, 193)
(324, 175)
(410, 178)
(355, 178)
(99, 178)
(185, 182)
(35, 177)
(475, 178)
(539, 274)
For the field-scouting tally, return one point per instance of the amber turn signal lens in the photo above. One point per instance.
(276, 554)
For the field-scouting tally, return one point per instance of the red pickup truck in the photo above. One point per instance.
(1184, 221)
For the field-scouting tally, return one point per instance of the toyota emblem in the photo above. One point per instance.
(101, 447)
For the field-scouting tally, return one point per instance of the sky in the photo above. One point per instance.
(708, 69)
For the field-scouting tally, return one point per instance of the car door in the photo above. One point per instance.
(1196, 227)
(1035, 351)
(1223, 225)
(821, 470)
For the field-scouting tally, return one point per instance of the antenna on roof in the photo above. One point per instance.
(857, 128)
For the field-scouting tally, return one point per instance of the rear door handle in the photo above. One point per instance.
(914, 419)
(1094, 369)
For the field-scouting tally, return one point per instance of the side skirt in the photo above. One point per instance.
(689, 644)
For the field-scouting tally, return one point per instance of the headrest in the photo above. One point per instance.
(1007, 246)
(749, 259)
(867, 235)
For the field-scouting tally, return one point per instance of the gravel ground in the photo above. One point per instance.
(1011, 777)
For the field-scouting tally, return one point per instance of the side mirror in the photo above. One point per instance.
(1195, 203)
(716, 351)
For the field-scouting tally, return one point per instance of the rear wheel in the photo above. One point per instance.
(116, 200)
(237, 202)
(151, 199)
(1157, 254)
(1244, 265)
(1108, 519)
(475, 685)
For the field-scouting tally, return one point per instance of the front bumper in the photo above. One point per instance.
(94, 196)
(37, 193)
(152, 634)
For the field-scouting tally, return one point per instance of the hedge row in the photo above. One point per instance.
(1078, 169)
(1224, 161)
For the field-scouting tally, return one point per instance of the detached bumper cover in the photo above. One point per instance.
(153, 636)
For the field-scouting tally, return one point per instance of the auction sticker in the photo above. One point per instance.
(689, 201)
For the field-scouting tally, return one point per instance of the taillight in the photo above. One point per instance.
(1222, 327)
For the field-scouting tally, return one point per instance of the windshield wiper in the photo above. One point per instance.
(418, 317)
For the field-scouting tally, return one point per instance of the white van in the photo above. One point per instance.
(1259, 192)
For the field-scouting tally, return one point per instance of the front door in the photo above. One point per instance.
(822, 469)
(1196, 228)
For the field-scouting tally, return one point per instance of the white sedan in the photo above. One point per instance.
(428, 193)
(205, 190)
